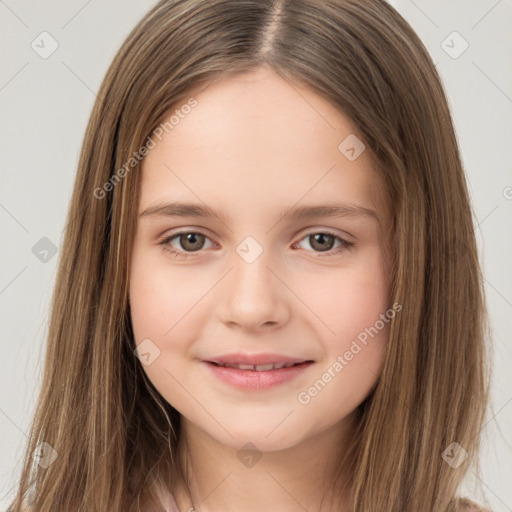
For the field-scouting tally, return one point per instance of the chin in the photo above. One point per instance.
(266, 437)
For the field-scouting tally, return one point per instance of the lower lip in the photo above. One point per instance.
(250, 379)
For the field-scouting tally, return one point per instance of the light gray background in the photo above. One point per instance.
(45, 104)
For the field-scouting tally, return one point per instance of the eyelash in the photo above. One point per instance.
(184, 254)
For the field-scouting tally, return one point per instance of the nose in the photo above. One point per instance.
(253, 297)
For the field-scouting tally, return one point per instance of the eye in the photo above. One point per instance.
(190, 242)
(193, 241)
(323, 242)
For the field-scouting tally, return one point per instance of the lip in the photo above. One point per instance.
(264, 358)
(257, 380)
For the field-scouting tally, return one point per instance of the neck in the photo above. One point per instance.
(218, 477)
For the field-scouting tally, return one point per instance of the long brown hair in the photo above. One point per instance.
(114, 435)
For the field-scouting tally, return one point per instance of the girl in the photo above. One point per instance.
(269, 294)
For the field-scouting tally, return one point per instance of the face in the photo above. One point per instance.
(264, 282)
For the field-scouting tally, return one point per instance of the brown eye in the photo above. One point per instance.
(322, 241)
(185, 243)
(325, 242)
(191, 241)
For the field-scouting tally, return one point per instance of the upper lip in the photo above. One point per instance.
(255, 359)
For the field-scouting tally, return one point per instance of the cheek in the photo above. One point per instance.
(170, 304)
(161, 303)
(352, 305)
(161, 293)
(348, 300)
(165, 309)
(353, 355)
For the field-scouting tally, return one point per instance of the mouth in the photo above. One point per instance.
(257, 372)
(259, 367)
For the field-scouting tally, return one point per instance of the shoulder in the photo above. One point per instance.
(465, 505)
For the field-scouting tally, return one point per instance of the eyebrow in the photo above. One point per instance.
(180, 209)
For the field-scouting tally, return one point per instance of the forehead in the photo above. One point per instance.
(257, 140)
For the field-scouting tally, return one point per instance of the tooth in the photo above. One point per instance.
(245, 366)
(258, 367)
(264, 367)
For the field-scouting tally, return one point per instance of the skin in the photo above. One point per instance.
(252, 146)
